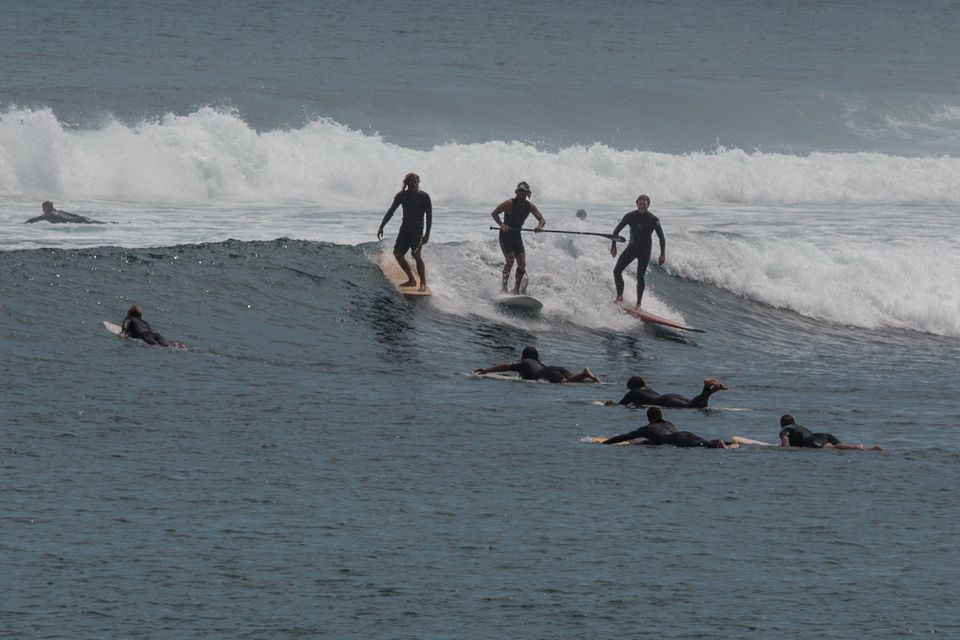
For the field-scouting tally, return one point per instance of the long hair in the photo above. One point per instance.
(409, 180)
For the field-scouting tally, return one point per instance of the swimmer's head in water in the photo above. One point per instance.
(713, 383)
(135, 311)
(786, 419)
(530, 353)
(523, 187)
(654, 414)
(582, 214)
(46, 206)
(411, 180)
(636, 382)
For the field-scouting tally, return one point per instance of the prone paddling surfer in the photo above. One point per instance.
(642, 224)
(793, 434)
(515, 213)
(530, 368)
(411, 237)
(638, 393)
(134, 326)
(660, 432)
(57, 217)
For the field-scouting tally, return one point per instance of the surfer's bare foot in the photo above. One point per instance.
(619, 299)
(592, 377)
(423, 287)
(516, 291)
(408, 283)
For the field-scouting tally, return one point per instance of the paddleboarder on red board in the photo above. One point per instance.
(642, 225)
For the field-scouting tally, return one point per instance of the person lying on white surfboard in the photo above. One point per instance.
(530, 368)
(134, 326)
(642, 225)
(660, 432)
(641, 395)
(796, 435)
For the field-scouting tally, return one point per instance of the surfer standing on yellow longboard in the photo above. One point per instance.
(416, 206)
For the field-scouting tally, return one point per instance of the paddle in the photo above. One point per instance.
(608, 236)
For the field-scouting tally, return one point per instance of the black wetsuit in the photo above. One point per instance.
(800, 436)
(641, 396)
(416, 205)
(530, 369)
(138, 328)
(511, 241)
(687, 439)
(676, 401)
(642, 226)
(58, 217)
(654, 433)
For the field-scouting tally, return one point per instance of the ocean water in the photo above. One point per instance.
(322, 462)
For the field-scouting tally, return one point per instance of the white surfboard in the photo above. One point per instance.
(112, 328)
(505, 375)
(751, 443)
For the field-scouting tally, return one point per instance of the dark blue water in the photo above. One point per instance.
(322, 464)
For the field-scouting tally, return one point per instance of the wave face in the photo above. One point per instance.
(214, 156)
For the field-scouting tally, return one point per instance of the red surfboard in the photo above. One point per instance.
(649, 317)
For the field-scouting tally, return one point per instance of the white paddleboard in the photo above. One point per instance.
(518, 302)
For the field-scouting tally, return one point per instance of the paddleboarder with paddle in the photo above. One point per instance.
(642, 225)
(515, 213)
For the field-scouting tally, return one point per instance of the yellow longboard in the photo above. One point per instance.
(390, 268)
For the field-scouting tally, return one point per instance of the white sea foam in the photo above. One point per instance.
(847, 283)
(213, 156)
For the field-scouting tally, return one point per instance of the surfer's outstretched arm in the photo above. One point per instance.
(497, 368)
(625, 437)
